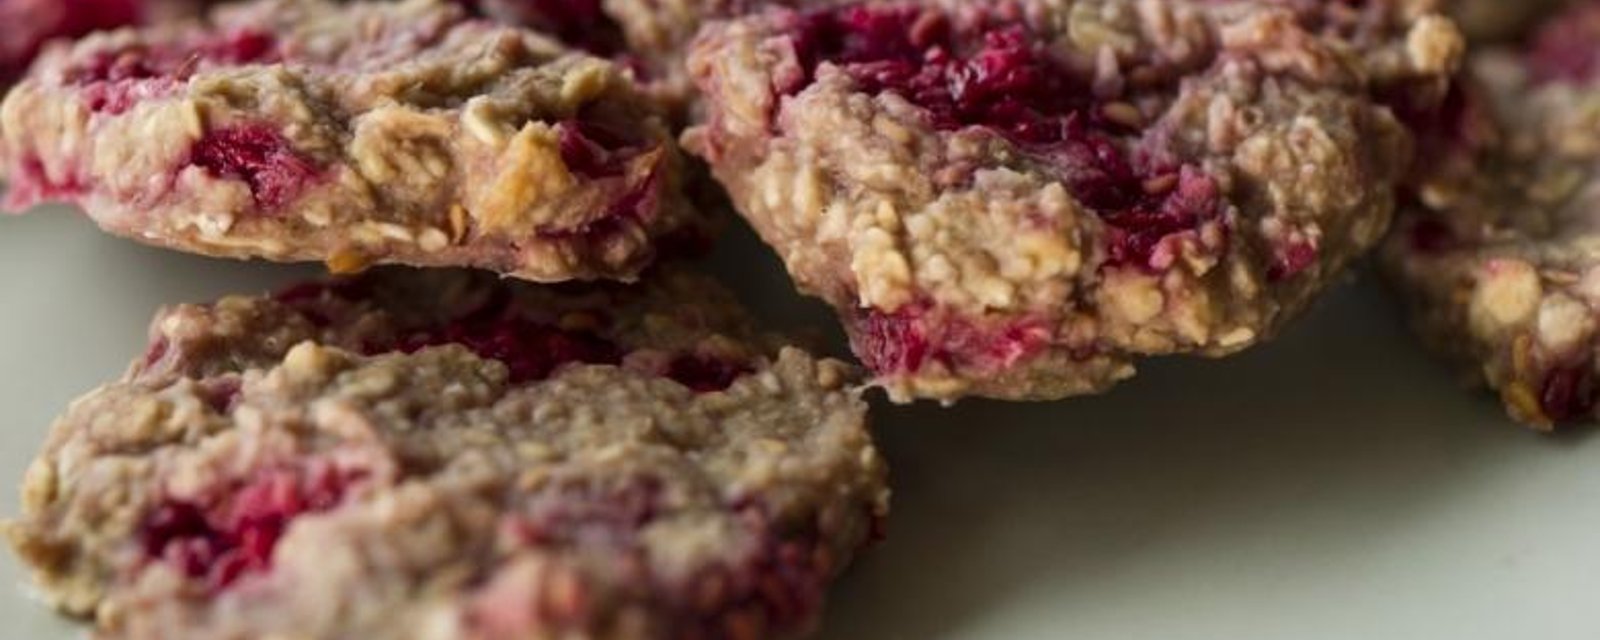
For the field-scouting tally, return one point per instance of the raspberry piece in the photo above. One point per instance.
(530, 350)
(1568, 394)
(705, 374)
(258, 155)
(237, 536)
(593, 151)
(908, 340)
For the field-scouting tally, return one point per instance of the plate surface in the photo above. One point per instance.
(1336, 484)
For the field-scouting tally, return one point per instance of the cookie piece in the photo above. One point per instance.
(352, 134)
(1498, 259)
(1018, 200)
(442, 455)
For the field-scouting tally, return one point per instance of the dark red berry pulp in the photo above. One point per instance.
(261, 157)
(235, 535)
(594, 151)
(999, 76)
(530, 350)
(1568, 394)
(581, 23)
(1565, 48)
(910, 339)
(114, 80)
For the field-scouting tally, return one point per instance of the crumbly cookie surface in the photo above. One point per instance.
(442, 455)
(651, 37)
(353, 134)
(1019, 199)
(1499, 257)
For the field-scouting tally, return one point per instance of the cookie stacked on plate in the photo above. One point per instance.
(513, 415)
(1498, 257)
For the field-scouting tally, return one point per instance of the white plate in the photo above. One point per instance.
(1336, 484)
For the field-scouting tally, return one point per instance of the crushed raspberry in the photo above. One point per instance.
(113, 81)
(1564, 49)
(593, 151)
(705, 374)
(1291, 260)
(630, 208)
(1568, 394)
(780, 586)
(30, 184)
(893, 342)
(1000, 77)
(237, 535)
(908, 340)
(1431, 237)
(258, 155)
(530, 350)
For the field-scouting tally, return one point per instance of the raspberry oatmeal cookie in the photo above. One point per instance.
(352, 134)
(441, 455)
(1018, 199)
(1500, 264)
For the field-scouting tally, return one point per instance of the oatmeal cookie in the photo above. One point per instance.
(441, 455)
(352, 134)
(1019, 199)
(1498, 259)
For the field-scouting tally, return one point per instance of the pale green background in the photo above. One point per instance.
(1336, 484)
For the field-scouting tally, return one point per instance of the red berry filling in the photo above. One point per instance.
(780, 585)
(1431, 237)
(705, 374)
(999, 76)
(530, 350)
(30, 183)
(498, 329)
(113, 81)
(909, 340)
(260, 157)
(594, 151)
(1568, 394)
(235, 535)
(1564, 49)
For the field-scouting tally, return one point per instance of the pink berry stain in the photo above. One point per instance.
(1565, 49)
(224, 540)
(260, 157)
(114, 81)
(999, 77)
